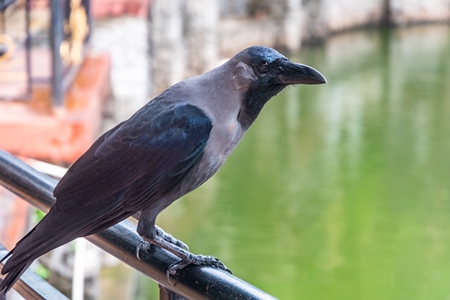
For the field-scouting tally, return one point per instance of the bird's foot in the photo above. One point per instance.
(169, 238)
(186, 257)
(144, 245)
(198, 260)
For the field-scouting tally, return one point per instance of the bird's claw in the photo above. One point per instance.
(143, 245)
(198, 260)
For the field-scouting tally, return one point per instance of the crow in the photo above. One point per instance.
(165, 150)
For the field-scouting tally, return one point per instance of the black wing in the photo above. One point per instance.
(122, 173)
(150, 145)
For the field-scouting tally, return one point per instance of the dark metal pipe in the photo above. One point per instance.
(121, 240)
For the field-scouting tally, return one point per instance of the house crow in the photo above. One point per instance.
(166, 149)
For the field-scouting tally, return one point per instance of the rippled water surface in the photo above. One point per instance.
(340, 191)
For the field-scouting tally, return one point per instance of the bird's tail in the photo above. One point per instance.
(26, 251)
(2, 293)
(12, 276)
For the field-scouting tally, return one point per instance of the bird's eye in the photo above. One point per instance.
(263, 68)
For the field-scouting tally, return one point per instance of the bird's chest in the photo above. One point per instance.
(222, 141)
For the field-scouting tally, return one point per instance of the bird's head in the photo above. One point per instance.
(261, 72)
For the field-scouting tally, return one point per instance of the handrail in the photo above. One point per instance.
(121, 240)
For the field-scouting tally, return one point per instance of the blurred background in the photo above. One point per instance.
(340, 191)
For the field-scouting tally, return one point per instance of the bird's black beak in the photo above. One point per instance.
(293, 73)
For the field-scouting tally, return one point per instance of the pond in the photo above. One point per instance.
(339, 191)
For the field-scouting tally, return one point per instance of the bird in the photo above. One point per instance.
(168, 148)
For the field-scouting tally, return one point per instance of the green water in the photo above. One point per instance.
(340, 191)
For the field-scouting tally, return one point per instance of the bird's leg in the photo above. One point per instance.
(187, 258)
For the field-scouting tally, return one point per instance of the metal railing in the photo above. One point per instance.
(121, 240)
